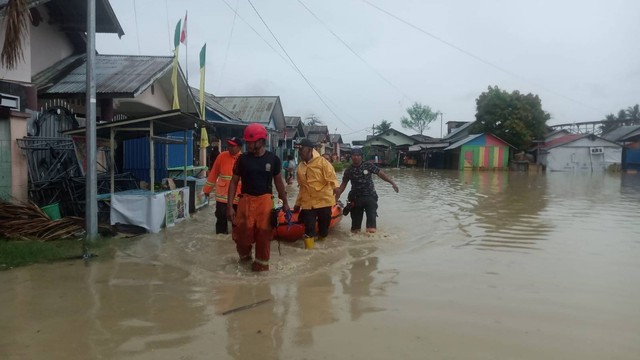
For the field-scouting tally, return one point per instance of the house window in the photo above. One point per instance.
(10, 101)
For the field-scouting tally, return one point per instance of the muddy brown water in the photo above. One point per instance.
(464, 266)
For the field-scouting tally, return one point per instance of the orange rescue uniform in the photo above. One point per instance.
(220, 176)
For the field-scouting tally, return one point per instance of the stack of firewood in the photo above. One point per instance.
(27, 222)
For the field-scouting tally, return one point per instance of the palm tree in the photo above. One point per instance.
(610, 123)
(16, 17)
(633, 114)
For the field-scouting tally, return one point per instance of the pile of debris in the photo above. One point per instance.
(27, 222)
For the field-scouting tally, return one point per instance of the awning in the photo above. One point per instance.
(163, 123)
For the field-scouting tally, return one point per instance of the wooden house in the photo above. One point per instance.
(478, 152)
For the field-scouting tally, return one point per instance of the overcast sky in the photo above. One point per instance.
(580, 56)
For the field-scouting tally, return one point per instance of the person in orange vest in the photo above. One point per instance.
(220, 176)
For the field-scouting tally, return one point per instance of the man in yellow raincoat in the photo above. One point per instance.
(318, 183)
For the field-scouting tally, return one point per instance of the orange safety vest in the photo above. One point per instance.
(220, 176)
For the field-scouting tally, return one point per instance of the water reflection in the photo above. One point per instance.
(118, 309)
(252, 333)
(313, 297)
(562, 244)
(507, 213)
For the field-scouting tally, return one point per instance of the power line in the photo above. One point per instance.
(354, 52)
(166, 7)
(257, 33)
(297, 68)
(486, 62)
(135, 16)
(226, 54)
(357, 131)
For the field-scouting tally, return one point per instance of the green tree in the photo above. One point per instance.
(16, 19)
(630, 116)
(610, 123)
(420, 116)
(514, 117)
(382, 127)
(633, 115)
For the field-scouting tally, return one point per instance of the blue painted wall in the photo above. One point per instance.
(136, 156)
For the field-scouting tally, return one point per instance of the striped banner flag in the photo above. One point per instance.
(204, 137)
(174, 74)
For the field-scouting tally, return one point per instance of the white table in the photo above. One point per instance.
(149, 210)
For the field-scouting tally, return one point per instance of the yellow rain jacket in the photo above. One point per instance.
(220, 176)
(316, 179)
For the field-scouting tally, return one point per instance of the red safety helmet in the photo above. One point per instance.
(254, 132)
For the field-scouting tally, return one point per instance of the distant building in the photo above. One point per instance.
(478, 152)
(579, 152)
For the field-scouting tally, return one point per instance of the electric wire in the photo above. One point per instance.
(297, 68)
(470, 54)
(135, 16)
(166, 7)
(226, 54)
(257, 33)
(354, 52)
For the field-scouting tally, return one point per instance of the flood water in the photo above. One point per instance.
(465, 265)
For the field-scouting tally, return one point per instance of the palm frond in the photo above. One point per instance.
(17, 18)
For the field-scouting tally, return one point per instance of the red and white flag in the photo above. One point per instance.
(183, 34)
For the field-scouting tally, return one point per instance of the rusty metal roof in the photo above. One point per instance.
(116, 75)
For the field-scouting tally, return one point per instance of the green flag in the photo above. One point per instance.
(176, 37)
(203, 55)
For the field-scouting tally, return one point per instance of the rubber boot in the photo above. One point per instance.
(309, 242)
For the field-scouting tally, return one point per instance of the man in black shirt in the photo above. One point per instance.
(363, 197)
(258, 169)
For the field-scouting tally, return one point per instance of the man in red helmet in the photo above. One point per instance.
(258, 169)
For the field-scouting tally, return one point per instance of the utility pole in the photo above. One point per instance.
(440, 123)
(91, 194)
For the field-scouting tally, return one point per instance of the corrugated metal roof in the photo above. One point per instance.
(463, 141)
(291, 134)
(563, 140)
(459, 131)
(324, 129)
(620, 132)
(115, 74)
(212, 103)
(335, 138)
(249, 108)
(50, 75)
(316, 137)
(292, 120)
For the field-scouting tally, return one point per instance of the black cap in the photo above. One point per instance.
(306, 143)
(357, 151)
(234, 141)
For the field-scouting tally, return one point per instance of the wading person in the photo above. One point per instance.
(362, 198)
(258, 169)
(220, 176)
(289, 168)
(318, 189)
